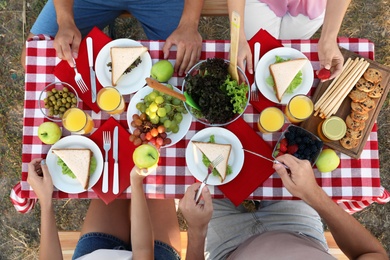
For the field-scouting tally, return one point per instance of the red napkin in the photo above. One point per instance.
(125, 150)
(255, 169)
(65, 73)
(267, 42)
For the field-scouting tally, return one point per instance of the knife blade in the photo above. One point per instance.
(266, 158)
(91, 71)
(115, 188)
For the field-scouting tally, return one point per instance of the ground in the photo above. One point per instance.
(19, 235)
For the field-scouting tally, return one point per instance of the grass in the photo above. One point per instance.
(19, 237)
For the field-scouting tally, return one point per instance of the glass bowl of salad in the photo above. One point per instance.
(213, 97)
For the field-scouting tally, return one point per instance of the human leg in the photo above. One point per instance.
(258, 15)
(158, 18)
(228, 228)
(164, 221)
(300, 26)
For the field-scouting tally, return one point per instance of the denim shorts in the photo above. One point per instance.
(158, 18)
(230, 226)
(93, 241)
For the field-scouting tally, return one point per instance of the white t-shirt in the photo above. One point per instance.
(280, 245)
(104, 254)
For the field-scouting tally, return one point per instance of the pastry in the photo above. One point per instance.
(356, 107)
(354, 134)
(373, 75)
(349, 143)
(368, 104)
(377, 91)
(353, 125)
(357, 95)
(364, 85)
(359, 117)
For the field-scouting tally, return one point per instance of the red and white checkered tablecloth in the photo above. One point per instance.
(355, 185)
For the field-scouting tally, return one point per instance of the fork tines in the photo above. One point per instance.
(254, 93)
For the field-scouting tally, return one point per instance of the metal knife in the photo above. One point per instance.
(115, 187)
(91, 71)
(268, 159)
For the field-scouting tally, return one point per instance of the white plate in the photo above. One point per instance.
(64, 182)
(222, 136)
(131, 110)
(262, 73)
(130, 82)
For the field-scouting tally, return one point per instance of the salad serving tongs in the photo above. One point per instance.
(234, 37)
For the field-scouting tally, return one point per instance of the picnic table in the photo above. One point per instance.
(354, 185)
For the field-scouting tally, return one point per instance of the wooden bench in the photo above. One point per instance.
(68, 240)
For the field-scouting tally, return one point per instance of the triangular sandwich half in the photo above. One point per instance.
(78, 161)
(212, 151)
(122, 58)
(283, 73)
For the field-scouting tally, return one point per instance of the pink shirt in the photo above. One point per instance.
(310, 8)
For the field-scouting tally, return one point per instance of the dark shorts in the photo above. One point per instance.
(93, 241)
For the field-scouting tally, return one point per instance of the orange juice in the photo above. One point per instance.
(77, 121)
(110, 100)
(271, 120)
(299, 108)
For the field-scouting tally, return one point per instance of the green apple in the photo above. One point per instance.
(49, 132)
(327, 160)
(162, 71)
(146, 156)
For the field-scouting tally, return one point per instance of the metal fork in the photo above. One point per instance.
(256, 57)
(79, 80)
(106, 147)
(210, 169)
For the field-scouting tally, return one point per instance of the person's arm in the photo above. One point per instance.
(50, 247)
(197, 217)
(351, 237)
(328, 49)
(244, 51)
(68, 38)
(186, 37)
(142, 240)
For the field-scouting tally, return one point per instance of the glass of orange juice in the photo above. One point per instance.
(110, 100)
(271, 120)
(77, 121)
(299, 108)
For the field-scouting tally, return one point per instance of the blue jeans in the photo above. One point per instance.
(230, 226)
(158, 18)
(93, 241)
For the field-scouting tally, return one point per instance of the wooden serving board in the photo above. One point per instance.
(312, 123)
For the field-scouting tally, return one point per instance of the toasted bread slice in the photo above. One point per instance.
(78, 161)
(283, 73)
(122, 58)
(212, 151)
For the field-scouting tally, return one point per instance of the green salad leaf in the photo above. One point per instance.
(207, 162)
(294, 83)
(67, 171)
(237, 93)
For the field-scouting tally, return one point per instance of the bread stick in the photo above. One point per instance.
(154, 84)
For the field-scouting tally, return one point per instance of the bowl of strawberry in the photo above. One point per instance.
(300, 143)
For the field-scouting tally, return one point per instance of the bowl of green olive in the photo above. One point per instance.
(56, 98)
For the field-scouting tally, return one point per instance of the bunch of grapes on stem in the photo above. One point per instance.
(160, 114)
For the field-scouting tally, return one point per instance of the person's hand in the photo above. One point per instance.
(300, 181)
(67, 42)
(189, 46)
(197, 215)
(40, 180)
(244, 57)
(137, 175)
(330, 57)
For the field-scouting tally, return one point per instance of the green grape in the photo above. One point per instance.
(168, 108)
(147, 111)
(178, 117)
(152, 115)
(169, 86)
(162, 119)
(175, 129)
(180, 109)
(159, 100)
(155, 120)
(152, 95)
(168, 98)
(140, 106)
(167, 123)
(161, 112)
(153, 107)
(176, 101)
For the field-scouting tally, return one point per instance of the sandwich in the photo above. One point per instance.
(283, 74)
(78, 161)
(212, 151)
(122, 58)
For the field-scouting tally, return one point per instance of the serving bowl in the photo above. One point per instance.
(300, 143)
(55, 99)
(225, 117)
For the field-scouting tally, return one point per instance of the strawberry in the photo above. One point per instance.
(291, 149)
(323, 74)
(283, 148)
(284, 142)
